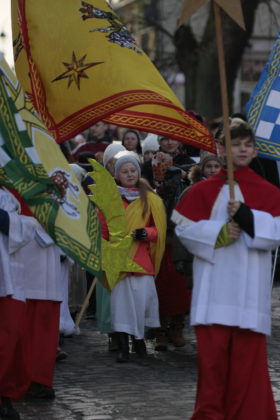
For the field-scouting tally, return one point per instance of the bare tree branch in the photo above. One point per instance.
(156, 25)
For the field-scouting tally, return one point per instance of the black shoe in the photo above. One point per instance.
(123, 354)
(39, 391)
(7, 411)
(139, 346)
(60, 355)
(113, 342)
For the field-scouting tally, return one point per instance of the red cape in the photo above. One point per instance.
(24, 207)
(258, 194)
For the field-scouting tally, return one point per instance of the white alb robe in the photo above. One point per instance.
(232, 284)
(30, 260)
(134, 305)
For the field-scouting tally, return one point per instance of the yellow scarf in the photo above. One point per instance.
(135, 220)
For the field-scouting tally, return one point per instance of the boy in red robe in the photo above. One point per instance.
(231, 240)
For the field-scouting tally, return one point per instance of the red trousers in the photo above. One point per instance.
(233, 379)
(43, 333)
(28, 341)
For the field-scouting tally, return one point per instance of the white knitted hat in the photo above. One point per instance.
(111, 151)
(127, 158)
(150, 143)
(127, 153)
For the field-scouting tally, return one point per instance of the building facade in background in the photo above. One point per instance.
(154, 22)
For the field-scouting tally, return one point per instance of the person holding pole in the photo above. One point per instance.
(232, 239)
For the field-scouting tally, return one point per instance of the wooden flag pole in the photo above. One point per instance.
(85, 304)
(224, 94)
(274, 266)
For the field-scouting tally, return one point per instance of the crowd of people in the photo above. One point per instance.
(197, 250)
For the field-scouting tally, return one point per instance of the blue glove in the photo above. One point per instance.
(4, 222)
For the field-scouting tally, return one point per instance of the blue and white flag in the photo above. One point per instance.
(263, 108)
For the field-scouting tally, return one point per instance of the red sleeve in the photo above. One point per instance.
(151, 231)
(104, 227)
(151, 234)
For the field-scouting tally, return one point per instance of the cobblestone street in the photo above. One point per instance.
(90, 385)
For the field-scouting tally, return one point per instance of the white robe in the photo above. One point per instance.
(232, 284)
(66, 323)
(30, 261)
(134, 305)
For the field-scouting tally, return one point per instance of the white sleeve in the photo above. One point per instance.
(267, 231)
(200, 237)
(21, 231)
(43, 239)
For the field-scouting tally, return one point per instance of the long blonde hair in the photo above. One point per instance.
(144, 187)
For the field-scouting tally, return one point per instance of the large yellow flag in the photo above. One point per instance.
(79, 65)
(32, 164)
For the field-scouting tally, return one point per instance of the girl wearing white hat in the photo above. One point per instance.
(134, 302)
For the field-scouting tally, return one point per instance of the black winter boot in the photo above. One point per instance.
(113, 342)
(7, 411)
(123, 354)
(139, 346)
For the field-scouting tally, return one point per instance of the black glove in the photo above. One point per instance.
(244, 218)
(140, 234)
(4, 222)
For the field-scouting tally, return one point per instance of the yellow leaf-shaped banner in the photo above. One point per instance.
(116, 255)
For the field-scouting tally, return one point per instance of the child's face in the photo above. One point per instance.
(128, 175)
(211, 168)
(243, 151)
